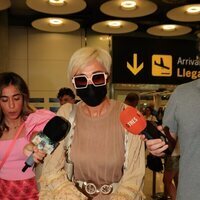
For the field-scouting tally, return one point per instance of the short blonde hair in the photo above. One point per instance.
(84, 56)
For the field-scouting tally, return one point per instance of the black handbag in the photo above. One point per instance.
(154, 163)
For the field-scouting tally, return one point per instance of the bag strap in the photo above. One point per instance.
(69, 138)
(124, 106)
(68, 141)
(7, 153)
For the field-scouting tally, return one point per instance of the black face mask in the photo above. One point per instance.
(92, 95)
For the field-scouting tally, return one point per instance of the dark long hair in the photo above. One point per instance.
(11, 78)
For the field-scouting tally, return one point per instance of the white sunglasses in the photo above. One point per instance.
(97, 79)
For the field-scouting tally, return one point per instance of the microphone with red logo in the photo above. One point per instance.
(135, 123)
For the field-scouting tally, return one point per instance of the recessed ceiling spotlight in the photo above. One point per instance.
(128, 5)
(168, 30)
(169, 27)
(4, 4)
(114, 24)
(56, 2)
(114, 27)
(185, 13)
(128, 8)
(55, 22)
(193, 10)
(174, 1)
(56, 7)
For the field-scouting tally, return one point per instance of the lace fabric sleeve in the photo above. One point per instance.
(54, 183)
(53, 180)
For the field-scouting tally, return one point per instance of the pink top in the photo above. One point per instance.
(12, 168)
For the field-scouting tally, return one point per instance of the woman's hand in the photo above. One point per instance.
(38, 155)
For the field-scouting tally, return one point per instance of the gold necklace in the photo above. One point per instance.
(16, 126)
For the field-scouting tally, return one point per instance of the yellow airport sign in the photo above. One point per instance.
(162, 65)
(135, 68)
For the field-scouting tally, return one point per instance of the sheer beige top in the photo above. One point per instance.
(98, 153)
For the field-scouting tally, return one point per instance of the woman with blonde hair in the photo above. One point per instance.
(98, 160)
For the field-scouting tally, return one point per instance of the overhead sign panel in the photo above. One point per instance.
(154, 61)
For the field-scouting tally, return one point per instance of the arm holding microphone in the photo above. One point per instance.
(47, 140)
(37, 154)
(158, 143)
(53, 181)
(157, 147)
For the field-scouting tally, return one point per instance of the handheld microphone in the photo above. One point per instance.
(47, 140)
(134, 122)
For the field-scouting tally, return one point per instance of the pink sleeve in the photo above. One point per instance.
(36, 121)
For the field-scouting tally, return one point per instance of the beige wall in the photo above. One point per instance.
(3, 40)
(41, 58)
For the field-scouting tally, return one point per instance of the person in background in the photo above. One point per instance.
(132, 99)
(153, 110)
(182, 118)
(95, 168)
(171, 170)
(66, 95)
(149, 116)
(159, 115)
(18, 122)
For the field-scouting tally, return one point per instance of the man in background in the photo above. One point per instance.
(66, 95)
(132, 99)
(182, 118)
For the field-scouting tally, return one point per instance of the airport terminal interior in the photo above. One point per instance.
(37, 38)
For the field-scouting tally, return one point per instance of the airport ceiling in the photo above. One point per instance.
(19, 14)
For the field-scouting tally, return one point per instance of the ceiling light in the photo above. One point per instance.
(168, 30)
(128, 5)
(193, 10)
(114, 8)
(114, 24)
(114, 27)
(169, 27)
(56, 7)
(4, 4)
(56, 25)
(57, 2)
(186, 13)
(55, 22)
